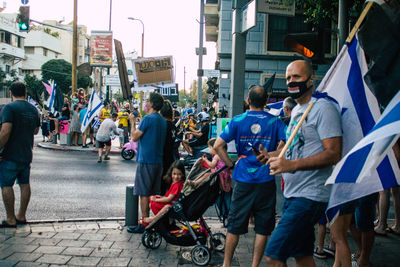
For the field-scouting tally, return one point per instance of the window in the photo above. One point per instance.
(2, 37)
(8, 69)
(45, 52)
(29, 50)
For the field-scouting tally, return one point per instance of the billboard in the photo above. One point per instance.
(101, 49)
(153, 71)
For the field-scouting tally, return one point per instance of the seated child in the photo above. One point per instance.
(160, 204)
(214, 165)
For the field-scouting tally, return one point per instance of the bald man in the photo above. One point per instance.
(305, 167)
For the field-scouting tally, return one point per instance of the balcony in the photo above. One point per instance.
(211, 17)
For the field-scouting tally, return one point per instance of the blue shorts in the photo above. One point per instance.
(148, 179)
(11, 171)
(294, 235)
(257, 199)
(364, 214)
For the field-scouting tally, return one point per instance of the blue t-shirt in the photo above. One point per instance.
(82, 114)
(151, 144)
(254, 127)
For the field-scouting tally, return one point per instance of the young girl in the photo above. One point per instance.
(176, 177)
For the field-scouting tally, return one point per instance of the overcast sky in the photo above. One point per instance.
(171, 27)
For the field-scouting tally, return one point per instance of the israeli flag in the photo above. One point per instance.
(94, 106)
(34, 103)
(276, 109)
(360, 111)
(52, 98)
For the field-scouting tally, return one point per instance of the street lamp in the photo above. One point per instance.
(131, 18)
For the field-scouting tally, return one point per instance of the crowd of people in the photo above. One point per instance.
(259, 139)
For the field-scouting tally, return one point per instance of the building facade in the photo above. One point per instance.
(265, 50)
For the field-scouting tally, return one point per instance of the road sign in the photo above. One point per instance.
(112, 80)
(211, 73)
(24, 2)
(249, 16)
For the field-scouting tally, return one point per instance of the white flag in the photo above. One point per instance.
(94, 107)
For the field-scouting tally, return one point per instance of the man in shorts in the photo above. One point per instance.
(150, 135)
(86, 133)
(20, 121)
(306, 166)
(200, 137)
(253, 188)
(103, 136)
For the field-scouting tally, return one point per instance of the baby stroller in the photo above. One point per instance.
(192, 203)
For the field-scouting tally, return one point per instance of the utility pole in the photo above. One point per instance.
(238, 61)
(343, 23)
(108, 69)
(184, 81)
(199, 74)
(74, 47)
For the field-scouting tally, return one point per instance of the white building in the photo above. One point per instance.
(11, 50)
(40, 47)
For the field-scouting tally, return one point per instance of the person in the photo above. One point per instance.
(85, 134)
(150, 135)
(288, 105)
(65, 115)
(81, 96)
(20, 121)
(103, 136)
(105, 112)
(135, 111)
(224, 112)
(45, 125)
(74, 99)
(306, 166)
(175, 177)
(200, 136)
(75, 127)
(253, 188)
(169, 154)
(123, 122)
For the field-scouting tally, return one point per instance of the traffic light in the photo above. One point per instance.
(23, 19)
(212, 85)
(310, 44)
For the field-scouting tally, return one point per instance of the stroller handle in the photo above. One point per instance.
(218, 172)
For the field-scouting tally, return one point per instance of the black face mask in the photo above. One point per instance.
(297, 89)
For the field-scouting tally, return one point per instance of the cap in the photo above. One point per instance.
(135, 106)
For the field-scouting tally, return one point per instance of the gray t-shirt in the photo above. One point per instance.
(105, 130)
(322, 122)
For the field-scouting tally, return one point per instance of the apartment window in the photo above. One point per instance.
(29, 50)
(7, 38)
(8, 69)
(2, 37)
(45, 52)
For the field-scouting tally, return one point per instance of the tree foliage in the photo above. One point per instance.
(5, 83)
(84, 81)
(317, 11)
(60, 71)
(34, 87)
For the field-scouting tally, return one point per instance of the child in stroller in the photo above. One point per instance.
(192, 203)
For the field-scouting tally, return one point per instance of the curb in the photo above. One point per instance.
(68, 149)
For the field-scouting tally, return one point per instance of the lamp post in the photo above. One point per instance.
(131, 18)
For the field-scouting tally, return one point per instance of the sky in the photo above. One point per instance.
(171, 27)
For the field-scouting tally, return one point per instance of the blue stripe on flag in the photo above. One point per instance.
(353, 166)
(386, 174)
(357, 91)
(392, 116)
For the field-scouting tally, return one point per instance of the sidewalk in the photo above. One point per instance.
(91, 148)
(107, 243)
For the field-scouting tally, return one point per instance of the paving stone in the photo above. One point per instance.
(67, 235)
(3, 238)
(19, 240)
(84, 261)
(124, 245)
(23, 248)
(114, 262)
(118, 237)
(140, 262)
(72, 243)
(87, 226)
(43, 234)
(65, 227)
(110, 225)
(99, 244)
(30, 264)
(49, 249)
(92, 237)
(75, 251)
(54, 259)
(46, 241)
(135, 253)
(4, 253)
(23, 256)
(110, 231)
(106, 252)
(37, 229)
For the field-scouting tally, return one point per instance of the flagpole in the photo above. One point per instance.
(359, 21)
(289, 142)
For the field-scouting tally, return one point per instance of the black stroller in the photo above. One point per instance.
(191, 205)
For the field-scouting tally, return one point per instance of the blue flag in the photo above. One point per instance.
(94, 106)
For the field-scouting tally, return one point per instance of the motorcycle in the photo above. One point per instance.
(129, 150)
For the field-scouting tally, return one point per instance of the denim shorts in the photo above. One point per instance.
(364, 214)
(257, 199)
(11, 171)
(294, 234)
(148, 179)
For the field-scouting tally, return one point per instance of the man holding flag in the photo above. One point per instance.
(307, 164)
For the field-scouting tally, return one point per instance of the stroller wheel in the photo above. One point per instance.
(218, 241)
(145, 238)
(127, 154)
(200, 255)
(154, 240)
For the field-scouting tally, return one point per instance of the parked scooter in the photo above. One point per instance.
(129, 150)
